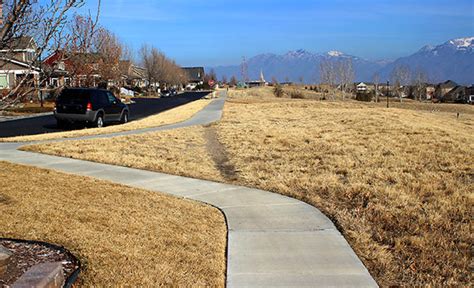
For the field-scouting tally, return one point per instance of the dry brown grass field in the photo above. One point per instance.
(123, 236)
(29, 108)
(397, 182)
(171, 116)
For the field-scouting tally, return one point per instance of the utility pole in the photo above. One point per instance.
(244, 70)
(388, 92)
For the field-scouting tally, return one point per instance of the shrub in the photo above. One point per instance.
(365, 96)
(295, 94)
(278, 91)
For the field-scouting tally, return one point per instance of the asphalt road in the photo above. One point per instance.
(142, 108)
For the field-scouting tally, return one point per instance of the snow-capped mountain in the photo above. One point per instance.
(452, 60)
(294, 65)
(335, 54)
(461, 43)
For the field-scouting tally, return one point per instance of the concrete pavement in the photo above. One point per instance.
(273, 240)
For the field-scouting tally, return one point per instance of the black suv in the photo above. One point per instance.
(92, 106)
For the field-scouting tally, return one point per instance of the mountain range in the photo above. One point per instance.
(452, 60)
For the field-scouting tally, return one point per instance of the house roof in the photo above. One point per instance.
(194, 73)
(448, 84)
(130, 70)
(17, 63)
(20, 43)
(455, 91)
(61, 55)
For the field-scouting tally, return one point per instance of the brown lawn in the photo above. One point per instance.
(123, 236)
(397, 182)
(30, 108)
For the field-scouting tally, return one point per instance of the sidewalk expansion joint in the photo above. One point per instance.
(283, 230)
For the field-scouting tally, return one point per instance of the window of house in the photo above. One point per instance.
(3, 81)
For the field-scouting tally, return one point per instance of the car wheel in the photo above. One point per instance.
(124, 118)
(99, 122)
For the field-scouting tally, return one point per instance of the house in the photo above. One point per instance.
(457, 94)
(17, 61)
(470, 94)
(132, 75)
(443, 88)
(470, 90)
(195, 75)
(257, 83)
(55, 66)
(75, 69)
(430, 91)
(362, 87)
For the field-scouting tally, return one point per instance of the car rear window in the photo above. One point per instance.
(74, 96)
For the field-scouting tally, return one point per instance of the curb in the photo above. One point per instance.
(14, 118)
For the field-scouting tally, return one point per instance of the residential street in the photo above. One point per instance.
(142, 108)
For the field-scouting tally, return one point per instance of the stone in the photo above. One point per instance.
(45, 275)
(5, 256)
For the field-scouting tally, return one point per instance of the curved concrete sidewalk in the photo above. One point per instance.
(273, 240)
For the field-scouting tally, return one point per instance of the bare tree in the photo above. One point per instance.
(233, 81)
(419, 82)
(376, 79)
(109, 49)
(274, 80)
(328, 73)
(400, 77)
(150, 63)
(161, 71)
(81, 53)
(344, 73)
(43, 21)
(212, 75)
(224, 79)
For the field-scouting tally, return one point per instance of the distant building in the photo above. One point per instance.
(195, 74)
(56, 66)
(470, 94)
(457, 94)
(430, 91)
(257, 83)
(75, 69)
(443, 88)
(132, 75)
(362, 87)
(17, 62)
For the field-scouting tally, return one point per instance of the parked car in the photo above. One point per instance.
(165, 93)
(173, 92)
(95, 107)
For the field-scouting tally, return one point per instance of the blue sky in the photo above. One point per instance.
(221, 32)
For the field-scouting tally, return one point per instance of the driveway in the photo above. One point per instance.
(143, 107)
